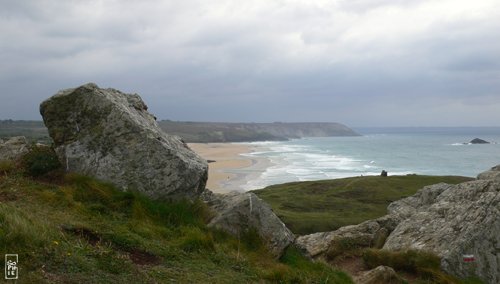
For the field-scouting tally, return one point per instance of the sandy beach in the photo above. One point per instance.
(227, 171)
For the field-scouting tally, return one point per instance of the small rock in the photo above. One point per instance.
(238, 212)
(383, 173)
(13, 148)
(479, 141)
(380, 274)
(370, 233)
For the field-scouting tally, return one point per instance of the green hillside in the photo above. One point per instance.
(316, 206)
(74, 229)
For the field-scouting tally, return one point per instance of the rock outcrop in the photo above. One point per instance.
(110, 135)
(479, 141)
(13, 148)
(492, 174)
(370, 233)
(452, 221)
(237, 213)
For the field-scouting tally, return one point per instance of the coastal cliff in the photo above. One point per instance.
(204, 132)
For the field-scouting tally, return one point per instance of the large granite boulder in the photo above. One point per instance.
(13, 148)
(370, 233)
(111, 136)
(238, 212)
(453, 221)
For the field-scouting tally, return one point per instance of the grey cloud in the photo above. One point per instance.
(258, 61)
(363, 6)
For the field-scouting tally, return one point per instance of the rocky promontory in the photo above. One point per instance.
(459, 223)
(110, 135)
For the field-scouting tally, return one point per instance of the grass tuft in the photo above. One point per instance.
(195, 240)
(305, 271)
(425, 265)
(6, 167)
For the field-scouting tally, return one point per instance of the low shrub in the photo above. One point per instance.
(303, 270)
(39, 161)
(6, 167)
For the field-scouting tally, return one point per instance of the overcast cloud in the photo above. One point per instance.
(359, 62)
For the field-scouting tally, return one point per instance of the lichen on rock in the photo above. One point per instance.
(111, 136)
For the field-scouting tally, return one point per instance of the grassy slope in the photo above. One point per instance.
(308, 207)
(81, 230)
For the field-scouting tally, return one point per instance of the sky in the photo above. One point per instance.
(357, 62)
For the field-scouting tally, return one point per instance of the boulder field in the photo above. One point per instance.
(110, 135)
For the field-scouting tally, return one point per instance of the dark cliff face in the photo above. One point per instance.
(244, 132)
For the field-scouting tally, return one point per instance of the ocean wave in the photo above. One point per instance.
(327, 158)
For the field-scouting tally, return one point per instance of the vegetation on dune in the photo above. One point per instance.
(316, 206)
(74, 229)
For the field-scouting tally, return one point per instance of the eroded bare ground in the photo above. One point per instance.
(137, 256)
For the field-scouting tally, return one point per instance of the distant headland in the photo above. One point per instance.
(206, 132)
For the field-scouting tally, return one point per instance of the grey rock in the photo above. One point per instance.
(378, 275)
(406, 207)
(238, 212)
(111, 136)
(13, 148)
(493, 174)
(370, 233)
(451, 221)
(448, 220)
(479, 141)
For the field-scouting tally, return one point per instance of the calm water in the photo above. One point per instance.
(429, 151)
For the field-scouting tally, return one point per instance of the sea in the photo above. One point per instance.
(399, 151)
